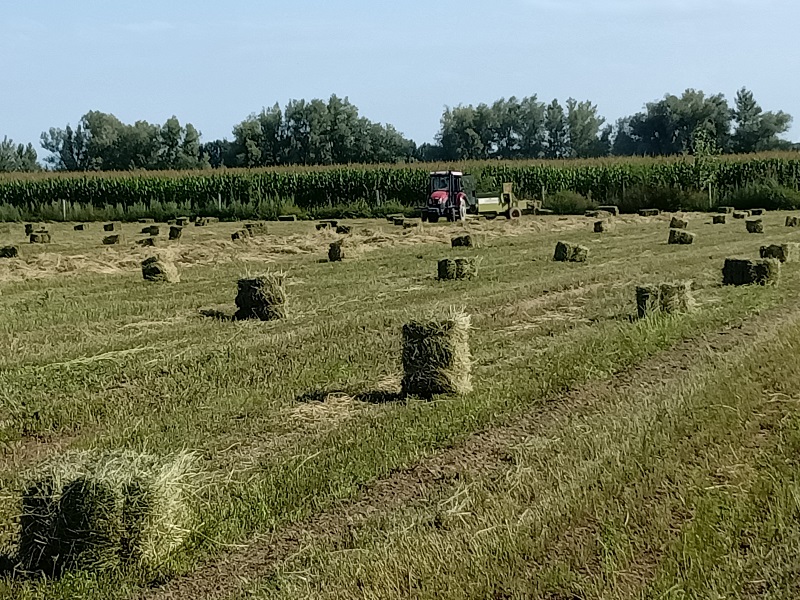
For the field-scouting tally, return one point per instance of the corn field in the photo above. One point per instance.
(311, 190)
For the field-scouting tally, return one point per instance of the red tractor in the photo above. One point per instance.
(449, 190)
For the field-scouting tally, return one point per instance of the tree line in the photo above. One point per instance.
(331, 132)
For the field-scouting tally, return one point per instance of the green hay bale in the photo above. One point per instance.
(570, 253)
(611, 209)
(719, 219)
(28, 228)
(287, 217)
(727, 210)
(743, 271)
(160, 269)
(792, 221)
(336, 251)
(344, 229)
(789, 252)
(262, 298)
(9, 252)
(604, 226)
(436, 357)
(679, 236)
(111, 240)
(678, 223)
(464, 241)
(446, 269)
(649, 212)
(466, 268)
(111, 227)
(182, 221)
(756, 212)
(79, 227)
(741, 214)
(100, 512)
(754, 226)
(676, 297)
(40, 237)
(175, 232)
(647, 300)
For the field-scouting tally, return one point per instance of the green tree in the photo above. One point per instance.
(583, 130)
(17, 157)
(756, 130)
(555, 123)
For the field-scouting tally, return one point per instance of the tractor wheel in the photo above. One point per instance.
(424, 217)
(513, 213)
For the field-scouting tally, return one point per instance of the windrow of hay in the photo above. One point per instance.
(789, 252)
(754, 226)
(102, 511)
(719, 219)
(160, 269)
(262, 297)
(680, 236)
(566, 252)
(743, 271)
(436, 356)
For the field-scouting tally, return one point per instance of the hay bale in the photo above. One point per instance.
(79, 227)
(262, 298)
(463, 241)
(399, 221)
(160, 269)
(680, 236)
(412, 224)
(40, 237)
(111, 227)
(321, 226)
(254, 229)
(102, 512)
(741, 214)
(754, 226)
(287, 217)
(570, 253)
(28, 228)
(336, 251)
(394, 216)
(175, 232)
(727, 210)
(436, 357)
(111, 240)
(446, 269)
(241, 234)
(604, 226)
(789, 252)
(676, 297)
(647, 300)
(743, 271)
(719, 219)
(182, 221)
(466, 268)
(344, 229)
(147, 242)
(792, 221)
(598, 214)
(678, 223)
(612, 209)
(757, 212)
(9, 252)
(143, 221)
(649, 212)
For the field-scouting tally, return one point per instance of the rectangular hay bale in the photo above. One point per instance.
(680, 236)
(743, 271)
(566, 252)
(789, 252)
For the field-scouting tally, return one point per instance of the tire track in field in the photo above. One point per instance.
(482, 453)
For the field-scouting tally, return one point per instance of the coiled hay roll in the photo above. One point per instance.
(100, 512)
(680, 236)
(336, 251)
(743, 271)
(9, 252)
(649, 212)
(111, 240)
(604, 226)
(160, 269)
(719, 219)
(792, 221)
(754, 226)
(175, 232)
(678, 223)
(570, 253)
(436, 357)
(262, 298)
(789, 252)
(40, 237)
(741, 214)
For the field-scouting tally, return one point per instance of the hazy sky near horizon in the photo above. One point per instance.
(213, 63)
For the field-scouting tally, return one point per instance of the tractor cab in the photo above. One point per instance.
(447, 191)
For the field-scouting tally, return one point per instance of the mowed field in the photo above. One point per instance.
(598, 456)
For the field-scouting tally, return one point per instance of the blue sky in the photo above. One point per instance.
(213, 63)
